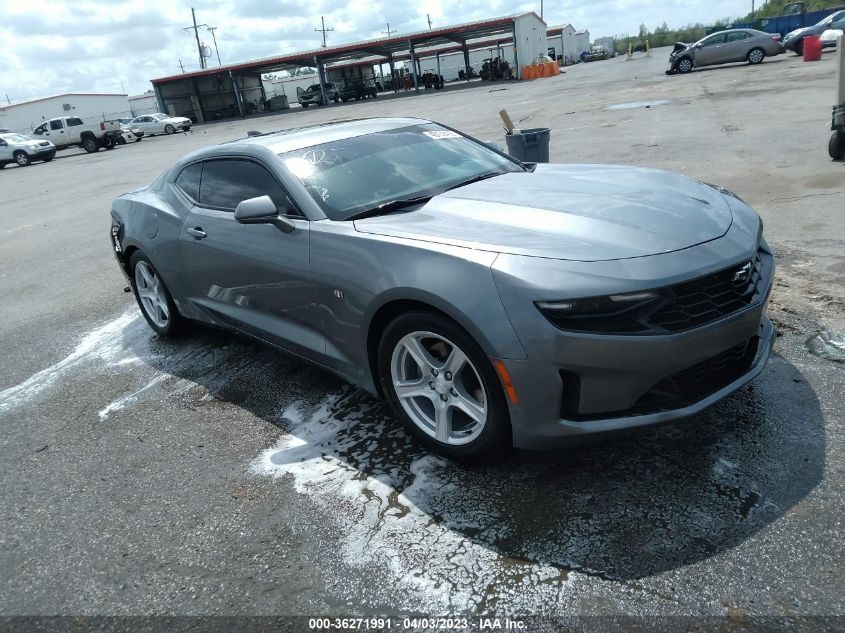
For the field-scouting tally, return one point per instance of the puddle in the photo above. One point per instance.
(638, 104)
(827, 344)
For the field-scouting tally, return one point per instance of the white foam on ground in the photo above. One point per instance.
(431, 563)
(130, 399)
(106, 343)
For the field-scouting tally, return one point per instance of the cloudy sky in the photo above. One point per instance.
(55, 46)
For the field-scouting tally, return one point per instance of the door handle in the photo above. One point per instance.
(197, 233)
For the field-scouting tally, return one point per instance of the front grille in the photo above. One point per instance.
(707, 299)
(680, 307)
(682, 388)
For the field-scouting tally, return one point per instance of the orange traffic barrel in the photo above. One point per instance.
(812, 48)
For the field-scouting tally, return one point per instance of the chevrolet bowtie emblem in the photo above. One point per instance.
(743, 273)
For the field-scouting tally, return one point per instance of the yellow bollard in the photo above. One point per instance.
(630, 54)
(647, 49)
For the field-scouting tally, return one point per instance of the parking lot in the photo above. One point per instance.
(214, 476)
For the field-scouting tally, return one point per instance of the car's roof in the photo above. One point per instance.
(298, 138)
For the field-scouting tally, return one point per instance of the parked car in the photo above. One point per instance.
(724, 47)
(357, 89)
(831, 36)
(313, 96)
(492, 303)
(794, 40)
(72, 131)
(20, 149)
(130, 134)
(152, 124)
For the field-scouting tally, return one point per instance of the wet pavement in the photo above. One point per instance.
(215, 476)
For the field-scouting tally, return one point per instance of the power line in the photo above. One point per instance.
(324, 30)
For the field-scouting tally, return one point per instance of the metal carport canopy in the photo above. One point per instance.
(382, 47)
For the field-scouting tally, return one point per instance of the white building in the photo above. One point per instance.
(143, 104)
(562, 40)
(582, 42)
(607, 43)
(24, 116)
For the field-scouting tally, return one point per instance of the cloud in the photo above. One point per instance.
(52, 46)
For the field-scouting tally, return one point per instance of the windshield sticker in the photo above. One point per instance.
(437, 134)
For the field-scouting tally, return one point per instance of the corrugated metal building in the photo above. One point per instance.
(24, 116)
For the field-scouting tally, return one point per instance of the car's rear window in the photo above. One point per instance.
(355, 174)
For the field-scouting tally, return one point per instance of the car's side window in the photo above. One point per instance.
(226, 182)
(716, 39)
(56, 125)
(74, 121)
(188, 181)
(40, 129)
(737, 36)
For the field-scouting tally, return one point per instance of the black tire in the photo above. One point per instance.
(176, 324)
(799, 47)
(169, 129)
(121, 140)
(138, 139)
(756, 56)
(22, 159)
(495, 438)
(90, 144)
(336, 99)
(836, 146)
(47, 160)
(109, 143)
(304, 105)
(684, 65)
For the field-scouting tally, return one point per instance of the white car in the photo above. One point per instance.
(830, 37)
(129, 134)
(161, 123)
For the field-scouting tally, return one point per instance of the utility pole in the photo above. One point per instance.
(541, 9)
(197, 34)
(428, 17)
(181, 66)
(9, 101)
(211, 30)
(323, 30)
(388, 31)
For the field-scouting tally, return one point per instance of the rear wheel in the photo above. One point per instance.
(154, 298)
(169, 129)
(684, 65)
(443, 387)
(90, 144)
(756, 55)
(836, 146)
(22, 159)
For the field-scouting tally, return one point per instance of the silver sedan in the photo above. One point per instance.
(491, 303)
(724, 47)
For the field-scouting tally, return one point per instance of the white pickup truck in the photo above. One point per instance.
(68, 131)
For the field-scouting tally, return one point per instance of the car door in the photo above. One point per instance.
(253, 277)
(5, 151)
(709, 50)
(145, 123)
(737, 45)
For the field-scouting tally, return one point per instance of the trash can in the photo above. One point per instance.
(812, 48)
(530, 145)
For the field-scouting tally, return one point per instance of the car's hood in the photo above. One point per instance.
(34, 143)
(679, 46)
(803, 32)
(574, 212)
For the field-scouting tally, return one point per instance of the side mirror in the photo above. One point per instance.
(262, 210)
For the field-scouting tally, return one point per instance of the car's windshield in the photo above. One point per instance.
(832, 17)
(14, 137)
(356, 174)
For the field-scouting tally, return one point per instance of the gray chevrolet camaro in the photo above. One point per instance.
(491, 303)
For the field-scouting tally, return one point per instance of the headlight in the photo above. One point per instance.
(617, 313)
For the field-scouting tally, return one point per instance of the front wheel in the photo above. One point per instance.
(756, 55)
(443, 387)
(169, 129)
(22, 159)
(154, 298)
(799, 47)
(684, 65)
(121, 140)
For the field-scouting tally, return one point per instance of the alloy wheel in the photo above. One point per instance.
(685, 65)
(439, 388)
(151, 294)
(755, 56)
